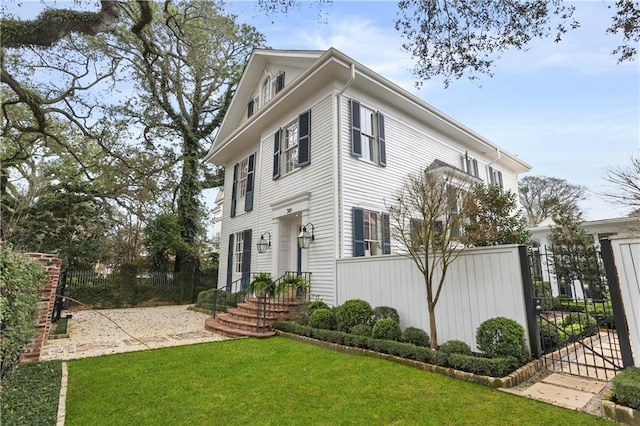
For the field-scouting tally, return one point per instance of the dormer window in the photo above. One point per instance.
(265, 93)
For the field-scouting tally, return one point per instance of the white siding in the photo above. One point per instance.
(482, 283)
(409, 148)
(627, 258)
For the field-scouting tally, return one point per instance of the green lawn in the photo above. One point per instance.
(280, 381)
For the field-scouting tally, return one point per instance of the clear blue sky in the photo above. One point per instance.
(567, 109)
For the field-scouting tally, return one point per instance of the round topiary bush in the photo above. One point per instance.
(381, 312)
(455, 347)
(315, 305)
(581, 318)
(416, 336)
(323, 319)
(387, 329)
(351, 313)
(502, 337)
(362, 330)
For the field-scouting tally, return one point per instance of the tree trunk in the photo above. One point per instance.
(433, 331)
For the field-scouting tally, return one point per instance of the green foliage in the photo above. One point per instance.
(323, 319)
(262, 285)
(351, 313)
(495, 367)
(387, 329)
(502, 337)
(582, 319)
(542, 292)
(362, 330)
(380, 312)
(455, 347)
(60, 327)
(545, 197)
(494, 218)
(416, 336)
(162, 240)
(626, 387)
(550, 335)
(316, 304)
(21, 281)
(30, 394)
(292, 285)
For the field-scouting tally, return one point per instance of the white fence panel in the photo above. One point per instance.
(482, 283)
(626, 252)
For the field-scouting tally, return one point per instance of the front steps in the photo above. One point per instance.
(241, 321)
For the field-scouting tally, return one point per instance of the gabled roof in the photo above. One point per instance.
(334, 66)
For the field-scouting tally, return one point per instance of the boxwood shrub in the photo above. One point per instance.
(626, 387)
(455, 347)
(495, 367)
(416, 336)
(381, 312)
(351, 313)
(502, 337)
(322, 318)
(316, 304)
(387, 328)
(362, 330)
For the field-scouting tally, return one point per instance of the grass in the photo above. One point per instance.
(30, 394)
(60, 327)
(279, 381)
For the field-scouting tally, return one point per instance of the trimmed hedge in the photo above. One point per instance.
(323, 319)
(316, 304)
(502, 337)
(626, 387)
(381, 312)
(496, 367)
(351, 313)
(362, 330)
(388, 329)
(455, 347)
(416, 336)
(21, 282)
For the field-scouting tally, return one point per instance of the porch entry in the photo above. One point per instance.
(576, 316)
(289, 255)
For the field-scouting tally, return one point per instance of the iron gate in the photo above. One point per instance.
(581, 328)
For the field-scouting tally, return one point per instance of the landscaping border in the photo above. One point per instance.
(619, 413)
(519, 376)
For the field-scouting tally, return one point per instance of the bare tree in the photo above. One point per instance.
(427, 218)
(546, 197)
(627, 182)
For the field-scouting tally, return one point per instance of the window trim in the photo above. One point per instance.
(238, 252)
(285, 150)
(377, 152)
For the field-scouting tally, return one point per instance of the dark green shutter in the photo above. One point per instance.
(356, 135)
(358, 232)
(246, 259)
(230, 263)
(382, 149)
(276, 153)
(248, 198)
(304, 139)
(250, 107)
(233, 190)
(386, 234)
(279, 82)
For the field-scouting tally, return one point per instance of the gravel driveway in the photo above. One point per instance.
(110, 331)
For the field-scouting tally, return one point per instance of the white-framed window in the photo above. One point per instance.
(372, 233)
(368, 130)
(237, 251)
(290, 147)
(495, 177)
(265, 93)
(243, 173)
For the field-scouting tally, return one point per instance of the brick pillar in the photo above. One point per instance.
(44, 309)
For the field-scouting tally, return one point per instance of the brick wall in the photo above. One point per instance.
(44, 309)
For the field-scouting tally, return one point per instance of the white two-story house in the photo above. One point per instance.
(314, 141)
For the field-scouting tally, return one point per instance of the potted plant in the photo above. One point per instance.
(262, 285)
(292, 286)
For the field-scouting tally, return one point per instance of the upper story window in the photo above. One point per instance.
(269, 88)
(238, 250)
(265, 93)
(371, 233)
(367, 133)
(243, 184)
(292, 146)
(470, 165)
(495, 177)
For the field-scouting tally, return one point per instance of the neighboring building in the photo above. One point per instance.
(217, 219)
(603, 228)
(314, 139)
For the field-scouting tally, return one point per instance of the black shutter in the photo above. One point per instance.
(280, 82)
(248, 198)
(476, 173)
(386, 234)
(382, 149)
(356, 143)
(246, 259)
(358, 232)
(276, 153)
(233, 190)
(230, 263)
(304, 139)
(491, 179)
(500, 179)
(250, 109)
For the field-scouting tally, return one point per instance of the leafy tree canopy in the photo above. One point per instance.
(548, 197)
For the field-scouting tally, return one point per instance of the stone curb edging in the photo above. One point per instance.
(519, 376)
(619, 413)
(62, 400)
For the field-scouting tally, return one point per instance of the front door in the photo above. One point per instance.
(288, 252)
